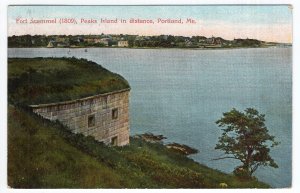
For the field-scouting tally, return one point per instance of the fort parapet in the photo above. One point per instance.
(103, 116)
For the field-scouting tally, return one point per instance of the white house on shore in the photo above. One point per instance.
(122, 43)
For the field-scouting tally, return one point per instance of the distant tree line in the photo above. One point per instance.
(166, 41)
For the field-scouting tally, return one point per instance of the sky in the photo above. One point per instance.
(268, 23)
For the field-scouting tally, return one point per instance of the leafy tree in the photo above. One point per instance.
(245, 137)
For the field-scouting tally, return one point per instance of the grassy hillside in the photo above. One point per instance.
(43, 154)
(45, 80)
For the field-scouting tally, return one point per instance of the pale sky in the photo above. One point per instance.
(268, 23)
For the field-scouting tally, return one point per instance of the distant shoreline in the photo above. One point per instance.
(213, 48)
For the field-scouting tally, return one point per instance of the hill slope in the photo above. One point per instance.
(43, 154)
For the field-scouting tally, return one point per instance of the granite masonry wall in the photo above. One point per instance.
(104, 116)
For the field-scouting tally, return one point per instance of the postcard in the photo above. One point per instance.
(149, 96)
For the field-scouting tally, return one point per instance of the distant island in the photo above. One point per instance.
(135, 41)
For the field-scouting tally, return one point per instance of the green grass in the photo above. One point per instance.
(44, 154)
(46, 80)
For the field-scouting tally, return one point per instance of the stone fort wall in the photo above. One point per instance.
(104, 116)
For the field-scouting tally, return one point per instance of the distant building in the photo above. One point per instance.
(202, 40)
(122, 43)
(53, 43)
(140, 38)
(214, 40)
(50, 44)
(90, 40)
(62, 45)
(104, 41)
(79, 39)
(62, 39)
(188, 42)
(210, 40)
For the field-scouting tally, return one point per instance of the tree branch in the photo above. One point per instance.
(224, 158)
(254, 168)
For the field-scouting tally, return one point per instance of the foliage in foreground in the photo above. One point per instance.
(43, 154)
(245, 137)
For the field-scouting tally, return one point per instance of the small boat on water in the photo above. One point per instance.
(85, 50)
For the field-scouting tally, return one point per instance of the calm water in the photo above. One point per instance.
(181, 93)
